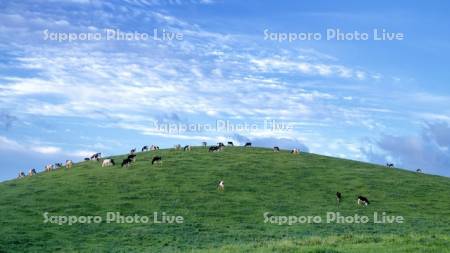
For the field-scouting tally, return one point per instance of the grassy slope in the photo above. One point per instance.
(257, 181)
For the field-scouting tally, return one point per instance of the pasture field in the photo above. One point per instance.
(259, 186)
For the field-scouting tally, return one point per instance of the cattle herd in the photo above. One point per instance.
(157, 160)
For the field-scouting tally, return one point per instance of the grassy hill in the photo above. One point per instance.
(257, 181)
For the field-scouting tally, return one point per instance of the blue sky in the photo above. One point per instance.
(375, 101)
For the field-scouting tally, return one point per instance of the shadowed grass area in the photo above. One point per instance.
(257, 181)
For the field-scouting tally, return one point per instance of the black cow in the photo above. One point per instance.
(338, 198)
(157, 159)
(276, 149)
(144, 148)
(248, 144)
(230, 143)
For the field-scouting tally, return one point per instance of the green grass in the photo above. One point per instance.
(256, 181)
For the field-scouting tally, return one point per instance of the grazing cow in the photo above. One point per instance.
(177, 147)
(248, 144)
(276, 149)
(187, 148)
(221, 186)
(96, 156)
(144, 148)
(204, 144)
(154, 147)
(419, 170)
(338, 198)
(32, 172)
(57, 166)
(126, 162)
(230, 143)
(389, 165)
(48, 167)
(220, 144)
(69, 164)
(214, 149)
(157, 159)
(21, 174)
(108, 162)
(132, 157)
(295, 151)
(132, 151)
(87, 159)
(363, 201)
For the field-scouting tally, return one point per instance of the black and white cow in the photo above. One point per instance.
(133, 151)
(187, 148)
(144, 148)
(419, 170)
(276, 149)
(132, 157)
(21, 174)
(363, 201)
(96, 156)
(108, 162)
(32, 172)
(248, 144)
(157, 159)
(295, 151)
(221, 186)
(220, 144)
(230, 143)
(126, 162)
(214, 149)
(338, 198)
(389, 165)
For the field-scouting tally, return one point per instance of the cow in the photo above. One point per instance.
(108, 162)
(214, 149)
(157, 159)
(133, 151)
(295, 151)
(21, 174)
(419, 170)
(126, 162)
(48, 167)
(230, 143)
(276, 149)
(248, 144)
(390, 165)
(338, 198)
(87, 159)
(144, 148)
(177, 147)
(220, 144)
(132, 157)
(69, 164)
(221, 186)
(204, 144)
(32, 172)
(154, 147)
(187, 148)
(363, 201)
(57, 166)
(96, 156)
